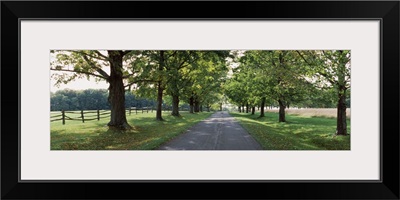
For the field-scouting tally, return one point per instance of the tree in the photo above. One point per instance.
(203, 79)
(174, 62)
(152, 76)
(273, 75)
(234, 90)
(331, 69)
(92, 64)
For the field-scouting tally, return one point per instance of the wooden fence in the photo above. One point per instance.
(99, 114)
(92, 115)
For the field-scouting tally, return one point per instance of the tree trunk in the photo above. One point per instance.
(159, 102)
(262, 107)
(220, 107)
(253, 110)
(160, 89)
(175, 106)
(201, 108)
(240, 110)
(191, 102)
(208, 108)
(247, 107)
(282, 107)
(341, 125)
(196, 106)
(116, 96)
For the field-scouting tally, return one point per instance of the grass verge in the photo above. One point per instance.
(298, 133)
(147, 133)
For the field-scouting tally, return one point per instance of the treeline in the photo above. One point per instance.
(297, 78)
(317, 99)
(91, 99)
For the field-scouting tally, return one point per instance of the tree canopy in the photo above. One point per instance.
(207, 78)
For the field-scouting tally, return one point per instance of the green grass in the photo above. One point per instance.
(298, 133)
(147, 133)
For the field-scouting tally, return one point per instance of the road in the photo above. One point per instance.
(218, 132)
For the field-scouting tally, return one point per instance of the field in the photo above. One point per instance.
(302, 131)
(147, 133)
(314, 112)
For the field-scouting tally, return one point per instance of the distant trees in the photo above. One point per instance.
(91, 99)
(269, 75)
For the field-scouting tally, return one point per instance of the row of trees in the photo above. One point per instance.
(194, 77)
(91, 99)
(291, 78)
(203, 78)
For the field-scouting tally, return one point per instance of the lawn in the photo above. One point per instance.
(298, 133)
(147, 133)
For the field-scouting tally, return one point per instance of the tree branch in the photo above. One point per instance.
(305, 60)
(98, 69)
(129, 75)
(126, 52)
(80, 72)
(100, 54)
(86, 54)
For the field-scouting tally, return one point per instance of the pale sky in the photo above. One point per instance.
(79, 84)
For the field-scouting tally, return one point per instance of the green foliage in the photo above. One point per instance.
(204, 77)
(91, 99)
(299, 133)
(72, 64)
(296, 78)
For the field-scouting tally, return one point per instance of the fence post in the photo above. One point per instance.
(98, 115)
(83, 118)
(136, 110)
(63, 116)
(130, 108)
(142, 110)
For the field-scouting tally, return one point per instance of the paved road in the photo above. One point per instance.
(218, 132)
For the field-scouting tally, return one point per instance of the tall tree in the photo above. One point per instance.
(174, 62)
(272, 75)
(152, 77)
(331, 69)
(92, 63)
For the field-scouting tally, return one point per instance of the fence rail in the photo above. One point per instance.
(99, 114)
(93, 115)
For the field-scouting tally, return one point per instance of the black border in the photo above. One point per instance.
(386, 11)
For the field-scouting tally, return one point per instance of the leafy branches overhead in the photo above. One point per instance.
(88, 63)
(247, 77)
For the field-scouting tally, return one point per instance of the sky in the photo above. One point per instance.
(79, 84)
